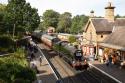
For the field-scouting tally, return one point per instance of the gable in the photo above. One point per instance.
(89, 26)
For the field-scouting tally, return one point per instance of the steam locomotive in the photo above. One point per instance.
(77, 60)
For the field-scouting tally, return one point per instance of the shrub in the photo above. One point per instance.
(26, 74)
(6, 44)
(11, 72)
(13, 68)
(72, 39)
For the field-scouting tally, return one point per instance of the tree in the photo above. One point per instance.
(78, 22)
(75, 27)
(64, 22)
(20, 17)
(2, 14)
(117, 16)
(41, 26)
(50, 18)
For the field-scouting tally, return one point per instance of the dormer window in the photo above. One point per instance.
(101, 36)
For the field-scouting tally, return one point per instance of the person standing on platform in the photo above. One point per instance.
(110, 60)
(40, 60)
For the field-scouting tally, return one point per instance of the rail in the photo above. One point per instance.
(64, 70)
(105, 73)
(56, 74)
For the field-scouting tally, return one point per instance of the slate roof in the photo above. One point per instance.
(103, 25)
(116, 39)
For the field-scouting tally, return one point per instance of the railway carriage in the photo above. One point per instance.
(49, 40)
(63, 36)
(77, 57)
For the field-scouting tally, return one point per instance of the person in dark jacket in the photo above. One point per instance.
(110, 60)
(40, 60)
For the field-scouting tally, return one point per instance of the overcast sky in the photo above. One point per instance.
(76, 7)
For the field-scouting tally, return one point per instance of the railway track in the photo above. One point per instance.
(65, 73)
(69, 76)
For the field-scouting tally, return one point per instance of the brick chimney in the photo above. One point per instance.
(109, 12)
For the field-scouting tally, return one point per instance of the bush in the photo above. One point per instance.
(13, 68)
(6, 44)
(26, 74)
(22, 42)
(72, 39)
(11, 72)
(19, 80)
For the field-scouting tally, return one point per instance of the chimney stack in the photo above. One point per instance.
(109, 12)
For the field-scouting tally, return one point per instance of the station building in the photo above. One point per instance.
(97, 31)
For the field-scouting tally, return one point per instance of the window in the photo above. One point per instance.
(101, 36)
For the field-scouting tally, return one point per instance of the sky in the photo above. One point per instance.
(76, 7)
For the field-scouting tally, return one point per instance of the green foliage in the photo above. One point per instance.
(20, 14)
(64, 24)
(10, 72)
(118, 16)
(50, 18)
(26, 74)
(78, 23)
(2, 7)
(72, 39)
(2, 22)
(14, 68)
(18, 57)
(63, 50)
(22, 42)
(6, 44)
(41, 27)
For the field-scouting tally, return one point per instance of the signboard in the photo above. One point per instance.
(100, 52)
(91, 51)
(84, 49)
(87, 50)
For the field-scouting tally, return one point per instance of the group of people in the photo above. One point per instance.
(110, 59)
(32, 50)
(33, 64)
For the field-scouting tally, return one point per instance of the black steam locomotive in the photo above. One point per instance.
(76, 59)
